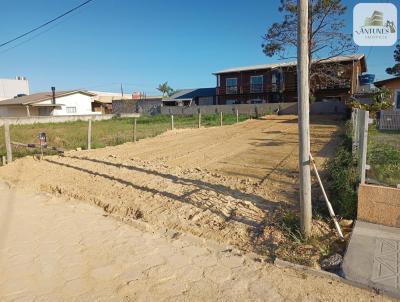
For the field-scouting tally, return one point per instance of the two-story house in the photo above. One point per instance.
(334, 78)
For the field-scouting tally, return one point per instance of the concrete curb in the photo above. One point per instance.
(320, 273)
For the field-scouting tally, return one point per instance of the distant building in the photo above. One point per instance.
(275, 83)
(192, 97)
(137, 95)
(102, 101)
(72, 102)
(10, 88)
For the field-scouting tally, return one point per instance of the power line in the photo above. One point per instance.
(45, 24)
(37, 34)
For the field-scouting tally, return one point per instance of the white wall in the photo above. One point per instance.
(82, 103)
(9, 88)
(60, 119)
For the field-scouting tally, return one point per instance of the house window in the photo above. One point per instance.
(231, 85)
(71, 109)
(256, 84)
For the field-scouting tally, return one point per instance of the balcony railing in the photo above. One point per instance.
(231, 89)
(288, 87)
(256, 88)
(339, 84)
(244, 89)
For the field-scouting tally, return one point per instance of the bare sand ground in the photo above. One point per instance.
(217, 183)
(56, 250)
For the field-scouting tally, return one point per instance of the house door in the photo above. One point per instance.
(397, 101)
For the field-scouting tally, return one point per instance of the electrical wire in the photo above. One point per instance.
(7, 49)
(45, 24)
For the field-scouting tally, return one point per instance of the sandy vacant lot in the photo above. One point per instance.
(51, 250)
(218, 183)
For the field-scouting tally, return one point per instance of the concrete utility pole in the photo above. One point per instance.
(303, 91)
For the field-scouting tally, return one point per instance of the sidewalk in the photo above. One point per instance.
(373, 257)
(55, 250)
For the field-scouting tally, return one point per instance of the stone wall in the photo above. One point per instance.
(334, 107)
(251, 109)
(147, 106)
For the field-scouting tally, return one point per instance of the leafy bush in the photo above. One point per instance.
(343, 180)
(382, 100)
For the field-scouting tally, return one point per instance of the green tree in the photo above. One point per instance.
(327, 38)
(395, 69)
(165, 89)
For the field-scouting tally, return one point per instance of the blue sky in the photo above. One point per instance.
(143, 43)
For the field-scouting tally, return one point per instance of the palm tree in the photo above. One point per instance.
(165, 89)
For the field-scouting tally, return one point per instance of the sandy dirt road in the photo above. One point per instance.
(56, 250)
(218, 183)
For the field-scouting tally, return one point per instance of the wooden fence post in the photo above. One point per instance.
(220, 118)
(172, 122)
(4, 160)
(199, 119)
(134, 130)
(237, 116)
(8, 142)
(89, 135)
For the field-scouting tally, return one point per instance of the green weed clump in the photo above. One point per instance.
(343, 179)
(384, 156)
(300, 249)
(384, 160)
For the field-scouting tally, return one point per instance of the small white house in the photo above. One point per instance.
(73, 102)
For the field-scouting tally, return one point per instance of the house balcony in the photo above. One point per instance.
(339, 84)
(247, 89)
(271, 88)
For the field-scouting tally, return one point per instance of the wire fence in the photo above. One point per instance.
(75, 135)
(376, 150)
